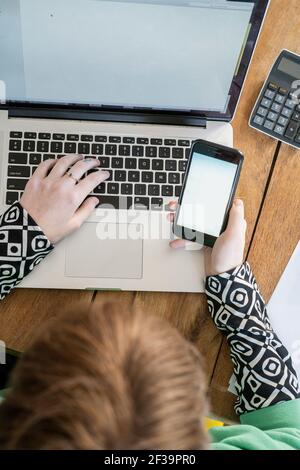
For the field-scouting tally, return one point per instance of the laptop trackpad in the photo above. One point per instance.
(98, 250)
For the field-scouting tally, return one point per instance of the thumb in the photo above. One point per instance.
(236, 221)
(84, 211)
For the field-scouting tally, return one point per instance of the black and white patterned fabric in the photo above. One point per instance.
(23, 246)
(262, 365)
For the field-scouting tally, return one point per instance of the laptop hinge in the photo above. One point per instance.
(173, 119)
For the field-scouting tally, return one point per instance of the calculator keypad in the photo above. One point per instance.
(277, 114)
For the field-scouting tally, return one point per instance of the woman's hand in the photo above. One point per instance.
(54, 199)
(228, 251)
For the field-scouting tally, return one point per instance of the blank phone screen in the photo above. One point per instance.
(206, 195)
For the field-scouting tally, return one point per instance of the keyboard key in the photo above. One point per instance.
(269, 125)
(297, 139)
(128, 140)
(113, 139)
(177, 153)
(272, 116)
(182, 166)
(130, 163)
(263, 111)
(113, 188)
(33, 169)
(110, 149)
(134, 176)
(174, 178)
(16, 184)
(87, 138)
(170, 142)
(84, 148)
(269, 94)
(11, 198)
(124, 150)
(140, 189)
(279, 99)
(30, 135)
(151, 152)
(141, 203)
(283, 91)
(15, 145)
(120, 175)
(157, 165)
(147, 177)
(44, 136)
(19, 158)
(35, 158)
(164, 152)
(266, 102)
(291, 130)
(117, 162)
(97, 149)
(115, 202)
(160, 178)
(59, 136)
(296, 116)
(171, 165)
(126, 188)
(73, 137)
(137, 151)
(282, 121)
(100, 189)
(184, 143)
(276, 107)
(154, 190)
(273, 86)
(18, 171)
(29, 146)
(286, 112)
(290, 104)
(56, 147)
(258, 120)
(101, 138)
(156, 203)
(156, 141)
(16, 135)
(42, 146)
(279, 130)
(187, 153)
(104, 162)
(178, 191)
(70, 147)
(142, 141)
(144, 164)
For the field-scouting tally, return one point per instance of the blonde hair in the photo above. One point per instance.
(106, 378)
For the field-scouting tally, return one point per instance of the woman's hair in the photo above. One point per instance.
(107, 378)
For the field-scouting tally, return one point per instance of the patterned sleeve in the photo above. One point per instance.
(263, 367)
(23, 245)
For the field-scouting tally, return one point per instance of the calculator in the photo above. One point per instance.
(277, 109)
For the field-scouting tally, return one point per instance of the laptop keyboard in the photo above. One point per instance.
(144, 172)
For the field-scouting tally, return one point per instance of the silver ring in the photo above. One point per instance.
(70, 175)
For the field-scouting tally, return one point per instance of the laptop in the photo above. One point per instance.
(132, 83)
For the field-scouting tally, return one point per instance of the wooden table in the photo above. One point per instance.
(271, 190)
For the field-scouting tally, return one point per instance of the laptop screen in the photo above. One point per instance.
(150, 54)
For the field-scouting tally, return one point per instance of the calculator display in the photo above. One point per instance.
(290, 67)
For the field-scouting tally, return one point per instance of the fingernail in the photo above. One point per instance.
(238, 202)
(106, 173)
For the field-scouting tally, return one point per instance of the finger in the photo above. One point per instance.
(64, 164)
(177, 244)
(43, 169)
(83, 212)
(236, 221)
(172, 205)
(80, 168)
(90, 182)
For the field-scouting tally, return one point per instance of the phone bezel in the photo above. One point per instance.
(219, 152)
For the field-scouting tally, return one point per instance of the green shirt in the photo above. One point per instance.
(274, 428)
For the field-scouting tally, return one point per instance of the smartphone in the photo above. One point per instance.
(208, 191)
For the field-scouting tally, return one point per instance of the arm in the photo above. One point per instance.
(53, 205)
